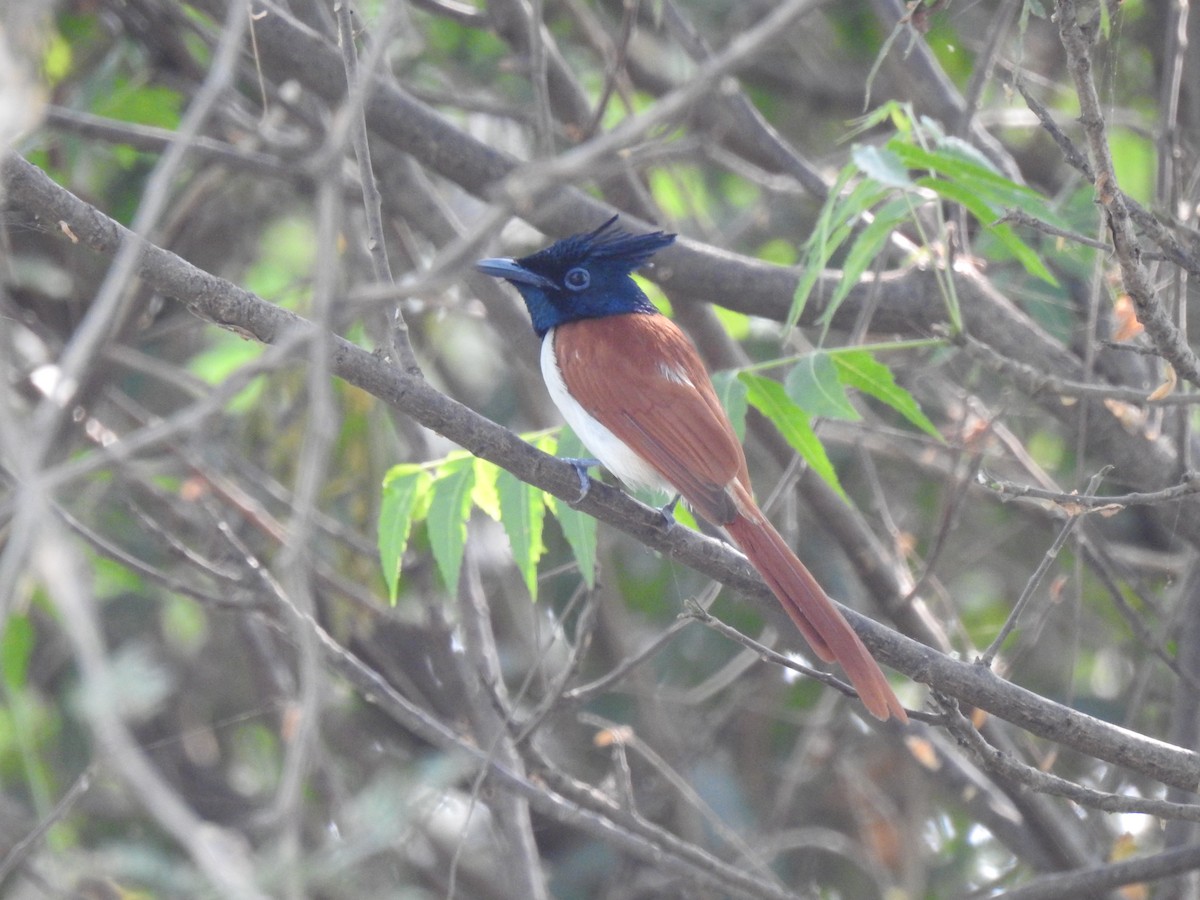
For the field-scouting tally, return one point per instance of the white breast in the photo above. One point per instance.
(614, 454)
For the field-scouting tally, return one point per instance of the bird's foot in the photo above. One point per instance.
(581, 469)
(668, 513)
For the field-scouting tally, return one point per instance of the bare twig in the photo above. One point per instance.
(524, 187)
(1077, 40)
(1083, 503)
(401, 345)
(1096, 881)
(21, 850)
(1006, 765)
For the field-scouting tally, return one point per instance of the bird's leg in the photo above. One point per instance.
(582, 464)
(668, 512)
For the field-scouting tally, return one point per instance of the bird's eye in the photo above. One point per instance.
(577, 279)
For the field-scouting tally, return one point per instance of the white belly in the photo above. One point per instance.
(613, 453)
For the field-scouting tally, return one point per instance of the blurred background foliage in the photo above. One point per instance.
(179, 545)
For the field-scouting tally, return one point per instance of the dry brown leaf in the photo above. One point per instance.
(923, 752)
(1123, 848)
(609, 736)
(1125, 321)
(1167, 387)
(1130, 416)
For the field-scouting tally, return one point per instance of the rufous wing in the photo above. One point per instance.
(640, 377)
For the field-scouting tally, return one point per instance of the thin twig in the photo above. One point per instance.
(21, 850)
(1080, 504)
(357, 86)
(694, 611)
(522, 188)
(1036, 578)
(1077, 40)
(1036, 382)
(1021, 217)
(1005, 765)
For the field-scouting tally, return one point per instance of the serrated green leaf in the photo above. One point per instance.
(889, 111)
(881, 164)
(824, 224)
(449, 509)
(579, 529)
(844, 220)
(826, 237)
(770, 399)
(814, 386)
(954, 146)
(485, 494)
(866, 248)
(864, 195)
(732, 394)
(403, 487)
(522, 511)
(1022, 252)
(16, 647)
(978, 177)
(952, 163)
(860, 369)
(810, 273)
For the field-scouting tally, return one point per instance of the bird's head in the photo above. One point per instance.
(585, 276)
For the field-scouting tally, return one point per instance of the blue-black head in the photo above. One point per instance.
(585, 276)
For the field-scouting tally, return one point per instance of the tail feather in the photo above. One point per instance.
(821, 623)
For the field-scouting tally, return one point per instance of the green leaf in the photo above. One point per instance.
(970, 170)
(1023, 253)
(859, 369)
(732, 394)
(449, 509)
(16, 647)
(522, 511)
(485, 493)
(881, 164)
(814, 386)
(770, 399)
(403, 486)
(829, 232)
(57, 58)
(952, 147)
(1134, 157)
(898, 115)
(579, 529)
(866, 248)
(971, 173)
(222, 361)
(144, 104)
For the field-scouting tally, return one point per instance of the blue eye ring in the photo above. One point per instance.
(577, 279)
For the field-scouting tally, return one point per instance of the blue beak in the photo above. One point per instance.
(511, 271)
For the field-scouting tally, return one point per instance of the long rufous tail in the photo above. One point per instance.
(821, 623)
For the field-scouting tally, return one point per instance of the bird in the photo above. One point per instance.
(633, 388)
